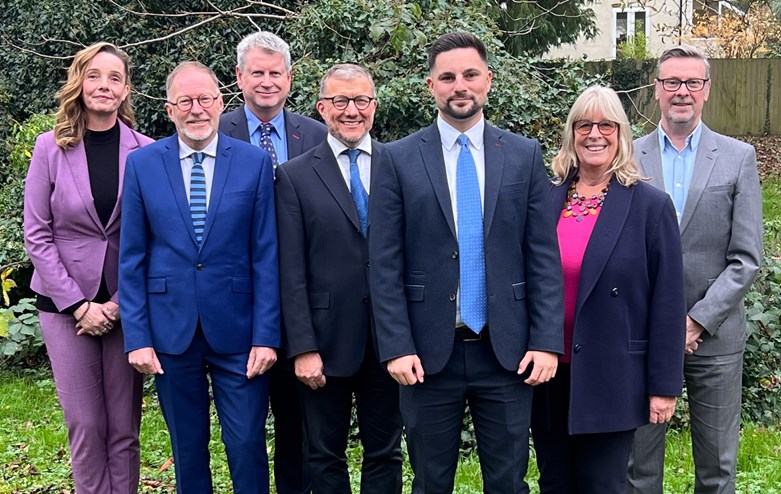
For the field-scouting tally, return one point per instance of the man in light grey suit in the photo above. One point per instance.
(713, 182)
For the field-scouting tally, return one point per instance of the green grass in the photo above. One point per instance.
(34, 456)
(771, 212)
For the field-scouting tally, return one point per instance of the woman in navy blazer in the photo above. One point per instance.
(71, 227)
(624, 305)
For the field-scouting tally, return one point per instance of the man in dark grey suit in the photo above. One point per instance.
(714, 185)
(322, 220)
(465, 278)
(263, 73)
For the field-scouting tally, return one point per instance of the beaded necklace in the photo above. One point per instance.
(578, 207)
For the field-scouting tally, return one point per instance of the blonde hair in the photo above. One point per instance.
(598, 99)
(70, 120)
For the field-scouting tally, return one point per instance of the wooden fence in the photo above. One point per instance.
(745, 97)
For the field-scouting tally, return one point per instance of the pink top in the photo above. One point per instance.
(573, 239)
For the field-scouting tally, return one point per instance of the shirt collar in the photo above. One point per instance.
(692, 141)
(253, 122)
(449, 135)
(338, 147)
(210, 150)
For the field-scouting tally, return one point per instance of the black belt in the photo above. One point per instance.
(463, 333)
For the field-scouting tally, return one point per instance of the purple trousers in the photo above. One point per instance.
(100, 394)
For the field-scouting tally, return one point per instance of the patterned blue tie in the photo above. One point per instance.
(266, 144)
(360, 197)
(470, 240)
(198, 196)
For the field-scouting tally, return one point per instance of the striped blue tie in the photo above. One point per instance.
(360, 197)
(470, 240)
(198, 196)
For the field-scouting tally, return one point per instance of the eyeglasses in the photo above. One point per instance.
(186, 104)
(605, 127)
(342, 102)
(693, 85)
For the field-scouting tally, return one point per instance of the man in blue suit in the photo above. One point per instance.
(199, 282)
(264, 74)
(465, 278)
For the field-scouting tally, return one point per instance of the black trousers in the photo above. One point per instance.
(500, 403)
(574, 463)
(327, 412)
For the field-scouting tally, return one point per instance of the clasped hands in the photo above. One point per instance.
(96, 319)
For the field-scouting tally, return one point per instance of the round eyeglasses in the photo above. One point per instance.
(342, 102)
(605, 127)
(186, 104)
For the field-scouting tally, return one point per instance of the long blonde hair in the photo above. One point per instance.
(70, 120)
(598, 99)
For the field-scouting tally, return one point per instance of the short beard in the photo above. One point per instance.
(461, 114)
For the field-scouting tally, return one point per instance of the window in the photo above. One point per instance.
(628, 23)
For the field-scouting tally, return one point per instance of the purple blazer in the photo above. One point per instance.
(67, 244)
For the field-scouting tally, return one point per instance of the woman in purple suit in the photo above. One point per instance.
(71, 228)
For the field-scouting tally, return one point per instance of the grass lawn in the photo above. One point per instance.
(34, 456)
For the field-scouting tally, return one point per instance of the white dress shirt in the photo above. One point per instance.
(186, 162)
(364, 159)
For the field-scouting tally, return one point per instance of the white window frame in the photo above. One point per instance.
(630, 23)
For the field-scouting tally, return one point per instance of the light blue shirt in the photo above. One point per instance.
(678, 167)
(278, 134)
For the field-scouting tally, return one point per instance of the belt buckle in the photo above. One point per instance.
(469, 335)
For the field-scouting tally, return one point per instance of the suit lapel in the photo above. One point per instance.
(494, 166)
(222, 164)
(238, 125)
(174, 171)
(433, 161)
(707, 152)
(650, 158)
(327, 168)
(77, 163)
(295, 137)
(603, 239)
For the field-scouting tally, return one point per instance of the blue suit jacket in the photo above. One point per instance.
(168, 282)
(413, 249)
(630, 315)
(323, 257)
(303, 133)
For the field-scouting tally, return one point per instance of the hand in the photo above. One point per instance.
(144, 360)
(111, 309)
(93, 320)
(545, 365)
(693, 332)
(661, 409)
(261, 358)
(309, 369)
(406, 370)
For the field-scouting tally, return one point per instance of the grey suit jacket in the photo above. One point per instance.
(721, 234)
(303, 133)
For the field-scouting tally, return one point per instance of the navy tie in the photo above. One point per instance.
(266, 144)
(470, 240)
(360, 197)
(198, 196)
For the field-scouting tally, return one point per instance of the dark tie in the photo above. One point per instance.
(470, 240)
(266, 144)
(198, 196)
(360, 197)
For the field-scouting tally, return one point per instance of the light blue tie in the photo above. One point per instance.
(198, 196)
(360, 197)
(470, 240)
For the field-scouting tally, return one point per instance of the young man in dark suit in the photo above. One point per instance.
(465, 278)
(263, 73)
